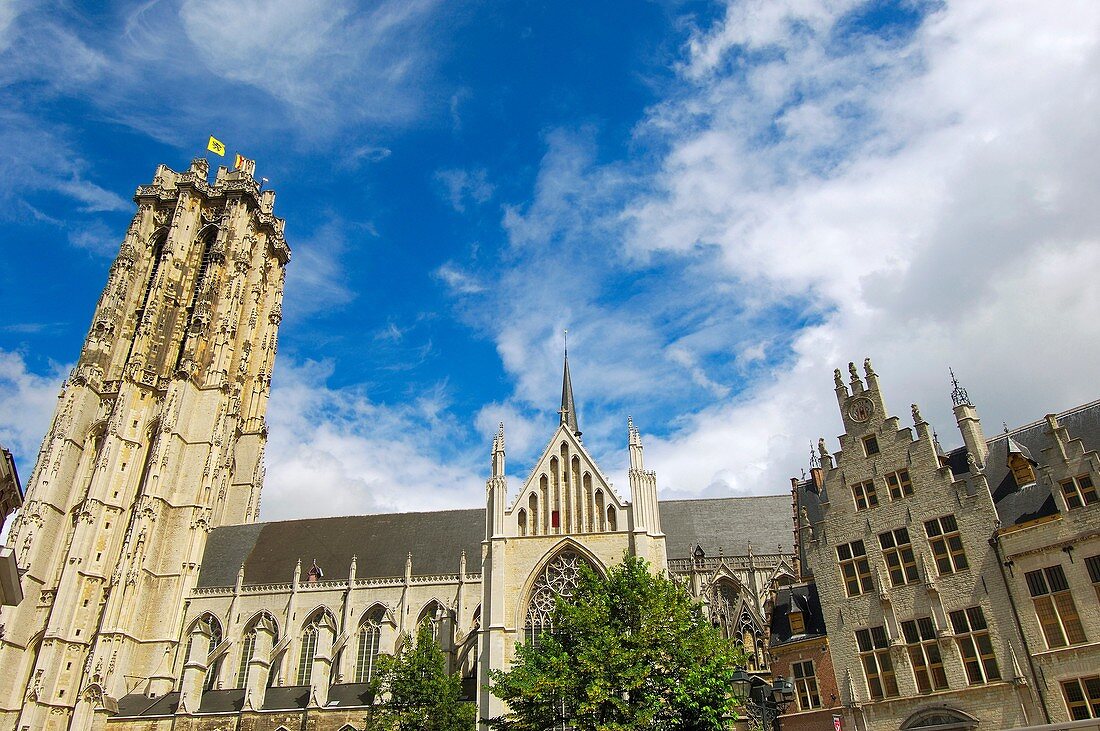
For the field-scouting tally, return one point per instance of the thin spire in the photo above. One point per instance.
(959, 395)
(568, 411)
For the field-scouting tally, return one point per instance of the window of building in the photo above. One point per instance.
(248, 648)
(865, 495)
(972, 637)
(1079, 491)
(1093, 565)
(1082, 697)
(561, 577)
(897, 551)
(797, 622)
(924, 654)
(1022, 469)
(309, 649)
(946, 543)
(874, 654)
(215, 630)
(899, 483)
(805, 685)
(870, 445)
(1054, 607)
(854, 567)
(370, 634)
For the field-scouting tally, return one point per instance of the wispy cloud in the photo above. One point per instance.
(457, 281)
(27, 402)
(465, 186)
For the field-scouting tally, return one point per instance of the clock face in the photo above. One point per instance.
(861, 409)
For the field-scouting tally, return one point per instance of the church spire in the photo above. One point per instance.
(568, 409)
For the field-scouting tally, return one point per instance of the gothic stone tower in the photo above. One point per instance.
(158, 437)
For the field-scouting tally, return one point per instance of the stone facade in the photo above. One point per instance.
(154, 599)
(935, 569)
(157, 438)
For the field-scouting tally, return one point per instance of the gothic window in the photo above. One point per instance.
(533, 512)
(309, 650)
(214, 629)
(600, 515)
(248, 649)
(612, 522)
(154, 267)
(1092, 563)
(521, 520)
(370, 634)
(435, 615)
(561, 577)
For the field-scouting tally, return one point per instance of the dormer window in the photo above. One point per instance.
(315, 573)
(870, 445)
(797, 621)
(1022, 469)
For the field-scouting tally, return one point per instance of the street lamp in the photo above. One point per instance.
(762, 702)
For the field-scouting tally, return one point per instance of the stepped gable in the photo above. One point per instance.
(269, 551)
(728, 525)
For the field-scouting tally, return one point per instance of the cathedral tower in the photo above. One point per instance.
(158, 437)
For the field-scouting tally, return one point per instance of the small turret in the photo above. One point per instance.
(966, 416)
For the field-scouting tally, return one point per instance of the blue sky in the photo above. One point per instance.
(722, 201)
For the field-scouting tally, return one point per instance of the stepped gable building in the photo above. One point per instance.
(957, 590)
(154, 600)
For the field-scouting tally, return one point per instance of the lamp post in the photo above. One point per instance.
(764, 703)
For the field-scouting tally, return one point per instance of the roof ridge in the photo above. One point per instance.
(1039, 422)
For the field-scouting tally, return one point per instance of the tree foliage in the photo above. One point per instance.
(632, 651)
(420, 694)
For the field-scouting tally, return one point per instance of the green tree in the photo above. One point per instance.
(632, 651)
(420, 694)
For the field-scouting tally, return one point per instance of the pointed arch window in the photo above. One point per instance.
(214, 630)
(369, 640)
(560, 578)
(309, 651)
(248, 649)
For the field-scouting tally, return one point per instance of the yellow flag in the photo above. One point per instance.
(216, 146)
(239, 161)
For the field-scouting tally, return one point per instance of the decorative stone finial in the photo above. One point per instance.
(852, 370)
(867, 368)
(916, 415)
(838, 379)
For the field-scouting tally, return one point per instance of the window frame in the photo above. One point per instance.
(947, 546)
(865, 495)
(903, 484)
(1092, 565)
(806, 689)
(874, 650)
(1088, 689)
(1055, 608)
(975, 645)
(1083, 495)
(860, 568)
(923, 648)
(870, 445)
(902, 554)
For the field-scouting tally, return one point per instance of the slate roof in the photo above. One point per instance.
(1020, 504)
(139, 704)
(270, 551)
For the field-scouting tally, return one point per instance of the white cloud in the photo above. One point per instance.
(335, 451)
(458, 281)
(927, 200)
(27, 402)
